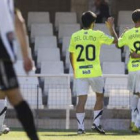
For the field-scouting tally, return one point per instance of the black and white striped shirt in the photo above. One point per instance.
(6, 26)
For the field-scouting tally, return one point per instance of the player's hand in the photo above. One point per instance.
(28, 65)
(133, 54)
(110, 22)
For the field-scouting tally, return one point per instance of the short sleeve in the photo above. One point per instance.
(122, 41)
(6, 22)
(105, 39)
(71, 46)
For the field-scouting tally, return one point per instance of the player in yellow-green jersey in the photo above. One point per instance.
(131, 38)
(84, 51)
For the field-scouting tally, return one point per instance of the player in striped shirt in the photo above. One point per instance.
(84, 51)
(12, 23)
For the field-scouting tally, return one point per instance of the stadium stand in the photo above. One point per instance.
(124, 17)
(45, 42)
(102, 27)
(65, 45)
(41, 30)
(66, 30)
(113, 68)
(65, 18)
(38, 18)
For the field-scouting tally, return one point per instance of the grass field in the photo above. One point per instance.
(71, 135)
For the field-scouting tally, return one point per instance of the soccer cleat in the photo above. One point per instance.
(80, 131)
(135, 129)
(132, 125)
(99, 129)
(5, 130)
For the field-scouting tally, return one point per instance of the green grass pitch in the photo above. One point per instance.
(71, 135)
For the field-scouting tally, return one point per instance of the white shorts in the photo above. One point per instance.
(82, 85)
(134, 82)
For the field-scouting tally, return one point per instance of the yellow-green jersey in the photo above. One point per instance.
(85, 46)
(131, 38)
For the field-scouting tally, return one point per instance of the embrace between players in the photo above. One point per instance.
(84, 51)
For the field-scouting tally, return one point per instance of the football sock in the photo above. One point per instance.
(97, 117)
(134, 110)
(137, 122)
(80, 120)
(3, 109)
(25, 116)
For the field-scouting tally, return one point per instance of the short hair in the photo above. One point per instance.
(136, 15)
(88, 18)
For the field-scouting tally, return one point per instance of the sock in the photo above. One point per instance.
(137, 122)
(80, 120)
(3, 109)
(97, 117)
(134, 110)
(25, 116)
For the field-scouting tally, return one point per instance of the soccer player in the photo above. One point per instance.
(84, 51)
(9, 86)
(131, 38)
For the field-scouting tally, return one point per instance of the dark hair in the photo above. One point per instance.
(88, 18)
(136, 15)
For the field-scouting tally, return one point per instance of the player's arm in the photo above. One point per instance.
(110, 26)
(22, 33)
(71, 60)
(133, 54)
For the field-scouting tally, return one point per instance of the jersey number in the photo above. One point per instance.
(137, 46)
(79, 59)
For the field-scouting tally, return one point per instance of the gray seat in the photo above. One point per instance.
(65, 45)
(41, 30)
(64, 18)
(38, 17)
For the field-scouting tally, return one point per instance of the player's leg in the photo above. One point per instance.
(23, 111)
(97, 85)
(3, 108)
(10, 88)
(134, 109)
(81, 91)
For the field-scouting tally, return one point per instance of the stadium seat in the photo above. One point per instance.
(41, 30)
(113, 68)
(110, 55)
(65, 18)
(45, 42)
(66, 30)
(127, 57)
(48, 54)
(65, 45)
(112, 46)
(102, 27)
(59, 98)
(67, 62)
(52, 67)
(124, 17)
(116, 88)
(123, 27)
(38, 17)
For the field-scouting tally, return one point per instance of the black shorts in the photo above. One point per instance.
(8, 78)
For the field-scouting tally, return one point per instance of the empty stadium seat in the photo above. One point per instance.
(41, 30)
(124, 17)
(102, 27)
(112, 46)
(65, 17)
(38, 17)
(113, 68)
(45, 42)
(48, 54)
(110, 55)
(52, 67)
(67, 30)
(127, 57)
(59, 98)
(65, 45)
(123, 27)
